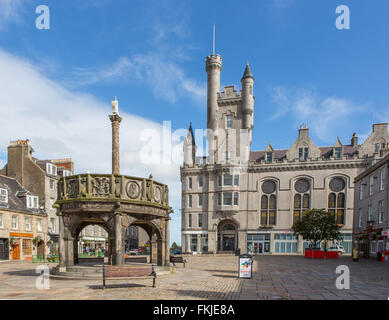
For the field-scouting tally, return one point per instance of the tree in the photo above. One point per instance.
(175, 246)
(316, 226)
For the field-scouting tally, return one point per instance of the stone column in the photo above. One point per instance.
(242, 241)
(199, 243)
(212, 241)
(154, 250)
(115, 121)
(167, 242)
(187, 243)
(61, 243)
(118, 253)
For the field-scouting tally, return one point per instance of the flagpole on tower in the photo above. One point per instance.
(214, 39)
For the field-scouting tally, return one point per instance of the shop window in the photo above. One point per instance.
(27, 247)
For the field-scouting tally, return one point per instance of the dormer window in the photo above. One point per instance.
(51, 169)
(303, 153)
(4, 195)
(32, 202)
(229, 122)
(269, 157)
(66, 173)
(338, 153)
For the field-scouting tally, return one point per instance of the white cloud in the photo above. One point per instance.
(325, 117)
(10, 12)
(61, 123)
(167, 80)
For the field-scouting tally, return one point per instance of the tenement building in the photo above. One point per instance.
(41, 178)
(22, 222)
(239, 198)
(371, 211)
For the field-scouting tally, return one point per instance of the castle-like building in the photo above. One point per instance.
(238, 198)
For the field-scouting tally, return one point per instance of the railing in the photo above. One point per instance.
(108, 187)
(45, 259)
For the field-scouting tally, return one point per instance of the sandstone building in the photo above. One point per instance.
(41, 178)
(23, 230)
(240, 198)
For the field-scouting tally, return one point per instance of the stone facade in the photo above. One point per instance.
(238, 198)
(40, 177)
(21, 221)
(371, 211)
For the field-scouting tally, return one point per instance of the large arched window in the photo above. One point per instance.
(302, 199)
(269, 203)
(337, 199)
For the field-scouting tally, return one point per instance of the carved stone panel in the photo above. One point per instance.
(133, 190)
(101, 186)
(157, 194)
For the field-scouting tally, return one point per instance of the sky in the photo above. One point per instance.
(56, 85)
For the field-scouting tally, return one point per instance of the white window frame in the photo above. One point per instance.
(369, 213)
(229, 121)
(382, 179)
(371, 183)
(32, 202)
(380, 209)
(28, 223)
(200, 220)
(39, 225)
(236, 197)
(219, 181)
(3, 194)
(1, 221)
(224, 180)
(236, 180)
(224, 199)
(202, 199)
(360, 217)
(16, 227)
(201, 179)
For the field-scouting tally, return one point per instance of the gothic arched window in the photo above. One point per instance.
(302, 199)
(337, 199)
(268, 203)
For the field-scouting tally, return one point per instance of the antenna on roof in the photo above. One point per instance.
(214, 39)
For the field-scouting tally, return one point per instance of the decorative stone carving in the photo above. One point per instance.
(72, 188)
(101, 186)
(133, 190)
(125, 221)
(157, 194)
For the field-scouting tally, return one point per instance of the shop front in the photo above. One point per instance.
(258, 243)
(21, 245)
(4, 249)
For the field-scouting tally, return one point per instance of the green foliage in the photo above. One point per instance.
(316, 226)
(175, 246)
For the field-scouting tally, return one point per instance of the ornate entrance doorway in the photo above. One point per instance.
(227, 236)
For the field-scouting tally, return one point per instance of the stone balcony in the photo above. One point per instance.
(114, 189)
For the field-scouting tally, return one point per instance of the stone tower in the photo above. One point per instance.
(189, 148)
(247, 101)
(115, 121)
(213, 66)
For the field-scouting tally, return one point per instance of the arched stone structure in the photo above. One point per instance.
(113, 202)
(227, 235)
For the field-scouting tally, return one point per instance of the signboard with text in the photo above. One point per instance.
(245, 266)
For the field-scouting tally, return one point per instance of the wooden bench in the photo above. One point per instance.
(136, 259)
(128, 272)
(177, 259)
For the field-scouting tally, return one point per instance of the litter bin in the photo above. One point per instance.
(237, 251)
(379, 256)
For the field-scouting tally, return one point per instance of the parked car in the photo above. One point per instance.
(133, 252)
(338, 248)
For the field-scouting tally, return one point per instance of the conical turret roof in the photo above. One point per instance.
(247, 72)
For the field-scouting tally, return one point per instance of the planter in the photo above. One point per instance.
(314, 254)
(332, 254)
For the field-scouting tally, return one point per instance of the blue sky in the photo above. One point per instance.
(56, 85)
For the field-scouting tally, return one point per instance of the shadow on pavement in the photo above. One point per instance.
(115, 286)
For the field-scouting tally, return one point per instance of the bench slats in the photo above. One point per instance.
(128, 272)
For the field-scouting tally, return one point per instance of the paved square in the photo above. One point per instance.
(214, 278)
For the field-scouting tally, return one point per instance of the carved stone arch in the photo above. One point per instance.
(346, 177)
(294, 179)
(222, 220)
(262, 180)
